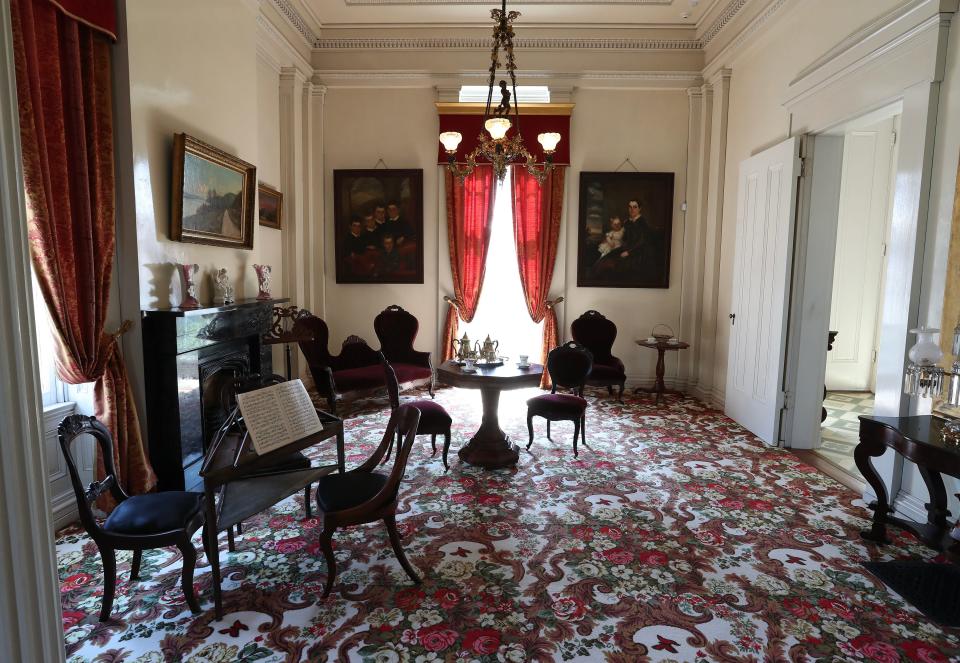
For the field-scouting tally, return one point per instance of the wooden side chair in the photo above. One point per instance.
(434, 419)
(569, 366)
(597, 334)
(139, 522)
(365, 496)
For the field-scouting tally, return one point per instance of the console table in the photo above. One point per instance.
(917, 439)
(248, 484)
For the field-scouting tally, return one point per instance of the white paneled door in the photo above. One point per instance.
(766, 211)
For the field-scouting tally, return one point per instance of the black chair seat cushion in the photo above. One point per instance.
(154, 513)
(612, 371)
(433, 418)
(336, 492)
(410, 372)
(364, 377)
(557, 406)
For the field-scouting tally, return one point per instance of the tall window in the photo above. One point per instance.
(52, 389)
(502, 312)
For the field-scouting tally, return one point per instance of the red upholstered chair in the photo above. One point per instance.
(397, 330)
(597, 334)
(138, 523)
(434, 419)
(366, 496)
(356, 370)
(569, 366)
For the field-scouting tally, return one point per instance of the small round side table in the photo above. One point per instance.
(659, 388)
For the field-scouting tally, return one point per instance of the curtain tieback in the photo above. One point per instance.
(125, 326)
(553, 303)
(453, 302)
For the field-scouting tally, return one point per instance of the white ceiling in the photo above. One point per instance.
(473, 13)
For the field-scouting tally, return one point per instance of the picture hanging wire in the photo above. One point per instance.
(381, 161)
(626, 160)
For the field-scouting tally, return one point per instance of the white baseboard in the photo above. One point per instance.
(905, 505)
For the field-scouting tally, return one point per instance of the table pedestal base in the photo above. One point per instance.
(490, 448)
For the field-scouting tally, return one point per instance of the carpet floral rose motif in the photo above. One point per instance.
(676, 536)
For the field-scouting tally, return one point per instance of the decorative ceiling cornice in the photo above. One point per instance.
(442, 43)
(526, 2)
(295, 19)
(723, 19)
(728, 14)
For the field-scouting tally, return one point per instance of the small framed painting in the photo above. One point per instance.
(378, 221)
(625, 226)
(213, 195)
(270, 207)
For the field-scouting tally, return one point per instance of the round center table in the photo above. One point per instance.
(490, 447)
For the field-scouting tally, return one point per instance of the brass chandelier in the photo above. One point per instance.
(494, 145)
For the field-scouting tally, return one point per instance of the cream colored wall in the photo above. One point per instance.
(197, 76)
(269, 241)
(649, 127)
(400, 126)
(757, 117)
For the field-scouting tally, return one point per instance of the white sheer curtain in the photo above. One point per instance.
(502, 311)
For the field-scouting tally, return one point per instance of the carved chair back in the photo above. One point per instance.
(597, 333)
(68, 431)
(396, 330)
(354, 353)
(315, 350)
(405, 421)
(569, 365)
(393, 385)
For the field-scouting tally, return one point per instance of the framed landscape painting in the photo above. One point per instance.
(213, 195)
(625, 225)
(270, 210)
(378, 221)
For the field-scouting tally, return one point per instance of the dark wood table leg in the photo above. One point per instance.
(490, 447)
(862, 455)
(341, 453)
(659, 386)
(937, 511)
(212, 548)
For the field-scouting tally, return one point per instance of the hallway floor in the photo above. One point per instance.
(841, 428)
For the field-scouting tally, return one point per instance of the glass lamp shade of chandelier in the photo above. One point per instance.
(549, 141)
(450, 141)
(497, 127)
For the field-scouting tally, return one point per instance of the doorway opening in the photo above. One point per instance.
(863, 226)
(502, 311)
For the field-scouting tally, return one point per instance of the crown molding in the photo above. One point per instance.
(726, 15)
(477, 108)
(650, 80)
(469, 43)
(295, 19)
(750, 29)
(361, 3)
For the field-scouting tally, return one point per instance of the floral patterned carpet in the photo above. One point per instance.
(676, 536)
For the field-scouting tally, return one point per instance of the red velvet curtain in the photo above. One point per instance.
(469, 218)
(536, 230)
(66, 127)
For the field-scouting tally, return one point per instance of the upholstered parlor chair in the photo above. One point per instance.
(569, 366)
(138, 522)
(597, 334)
(364, 495)
(356, 370)
(434, 419)
(397, 330)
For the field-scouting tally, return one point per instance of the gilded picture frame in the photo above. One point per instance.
(213, 195)
(269, 207)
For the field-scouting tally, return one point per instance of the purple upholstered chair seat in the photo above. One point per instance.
(434, 420)
(409, 372)
(364, 377)
(610, 371)
(552, 405)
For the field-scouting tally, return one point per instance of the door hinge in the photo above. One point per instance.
(784, 400)
(873, 356)
(893, 138)
(803, 166)
(883, 250)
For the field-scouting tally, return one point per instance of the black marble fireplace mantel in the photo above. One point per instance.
(190, 356)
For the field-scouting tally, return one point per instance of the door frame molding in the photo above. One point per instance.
(30, 618)
(900, 60)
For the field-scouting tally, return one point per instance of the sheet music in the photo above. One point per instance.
(278, 415)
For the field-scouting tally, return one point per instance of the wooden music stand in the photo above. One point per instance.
(248, 484)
